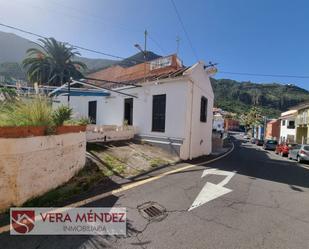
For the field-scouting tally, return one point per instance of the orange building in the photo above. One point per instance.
(273, 129)
(231, 124)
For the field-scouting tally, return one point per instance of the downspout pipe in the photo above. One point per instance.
(191, 118)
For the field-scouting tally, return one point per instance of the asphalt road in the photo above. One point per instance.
(267, 208)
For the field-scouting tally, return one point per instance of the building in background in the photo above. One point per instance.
(218, 120)
(231, 124)
(288, 127)
(168, 104)
(302, 123)
(273, 129)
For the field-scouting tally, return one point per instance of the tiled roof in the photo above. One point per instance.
(136, 74)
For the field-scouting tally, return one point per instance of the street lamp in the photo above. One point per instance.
(144, 54)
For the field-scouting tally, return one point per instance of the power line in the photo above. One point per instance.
(267, 75)
(76, 46)
(184, 29)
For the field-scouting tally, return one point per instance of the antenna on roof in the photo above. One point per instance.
(177, 44)
(145, 44)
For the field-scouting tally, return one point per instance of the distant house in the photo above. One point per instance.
(302, 122)
(273, 129)
(231, 124)
(287, 126)
(168, 104)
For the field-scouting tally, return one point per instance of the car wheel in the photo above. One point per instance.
(282, 154)
(299, 159)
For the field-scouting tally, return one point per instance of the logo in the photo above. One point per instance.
(22, 220)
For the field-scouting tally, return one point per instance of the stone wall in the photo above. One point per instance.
(31, 166)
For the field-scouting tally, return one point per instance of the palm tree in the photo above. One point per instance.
(52, 62)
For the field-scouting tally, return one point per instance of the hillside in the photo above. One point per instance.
(273, 98)
(13, 50)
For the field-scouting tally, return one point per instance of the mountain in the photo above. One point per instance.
(273, 99)
(13, 50)
(138, 58)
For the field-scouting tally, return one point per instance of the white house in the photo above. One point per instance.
(218, 121)
(287, 126)
(168, 104)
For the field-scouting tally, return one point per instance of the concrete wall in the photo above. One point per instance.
(32, 166)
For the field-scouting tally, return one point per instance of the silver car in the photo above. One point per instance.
(270, 145)
(299, 153)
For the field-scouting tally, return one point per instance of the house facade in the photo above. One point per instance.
(288, 127)
(302, 122)
(273, 129)
(168, 104)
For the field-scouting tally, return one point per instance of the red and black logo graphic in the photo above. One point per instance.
(23, 220)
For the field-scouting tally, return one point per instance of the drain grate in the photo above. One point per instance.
(152, 211)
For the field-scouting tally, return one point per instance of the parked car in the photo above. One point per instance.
(259, 142)
(299, 153)
(270, 145)
(246, 137)
(284, 148)
(253, 140)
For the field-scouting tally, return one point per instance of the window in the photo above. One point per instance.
(204, 104)
(291, 125)
(283, 122)
(158, 112)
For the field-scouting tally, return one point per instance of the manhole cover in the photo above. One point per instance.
(152, 211)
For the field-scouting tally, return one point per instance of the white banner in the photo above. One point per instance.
(68, 221)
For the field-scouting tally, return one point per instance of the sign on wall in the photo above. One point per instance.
(161, 62)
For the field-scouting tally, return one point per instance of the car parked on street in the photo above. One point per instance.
(253, 140)
(299, 152)
(270, 144)
(284, 148)
(259, 142)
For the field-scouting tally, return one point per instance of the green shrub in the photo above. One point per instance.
(61, 114)
(27, 112)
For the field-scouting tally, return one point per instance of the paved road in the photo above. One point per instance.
(268, 208)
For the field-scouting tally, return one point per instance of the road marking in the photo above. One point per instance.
(133, 185)
(212, 191)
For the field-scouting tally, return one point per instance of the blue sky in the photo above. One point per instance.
(256, 36)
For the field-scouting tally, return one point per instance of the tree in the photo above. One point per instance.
(251, 118)
(52, 63)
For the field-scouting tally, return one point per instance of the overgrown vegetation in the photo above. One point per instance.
(26, 112)
(36, 112)
(61, 114)
(86, 179)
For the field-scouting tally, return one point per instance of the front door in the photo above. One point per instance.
(92, 112)
(128, 111)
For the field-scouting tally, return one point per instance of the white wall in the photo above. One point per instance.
(201, 132)
(285, 132)
(80, 105)
(183, 103)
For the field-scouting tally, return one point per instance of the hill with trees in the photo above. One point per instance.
(272, 99)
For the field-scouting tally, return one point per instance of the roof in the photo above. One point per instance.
(160, 68)
(288, 114)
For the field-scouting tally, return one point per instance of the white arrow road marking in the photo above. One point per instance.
(212, 191)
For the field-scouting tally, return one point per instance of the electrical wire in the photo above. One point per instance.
(184, 29)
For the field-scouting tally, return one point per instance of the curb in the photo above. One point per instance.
(133, 185)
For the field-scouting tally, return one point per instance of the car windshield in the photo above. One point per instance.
(306, 148)
(272, 142)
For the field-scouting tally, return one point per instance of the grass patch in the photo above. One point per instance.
(85, 179)
(113, 165)
(155, 162)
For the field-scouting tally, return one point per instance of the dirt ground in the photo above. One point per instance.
(129, 158)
